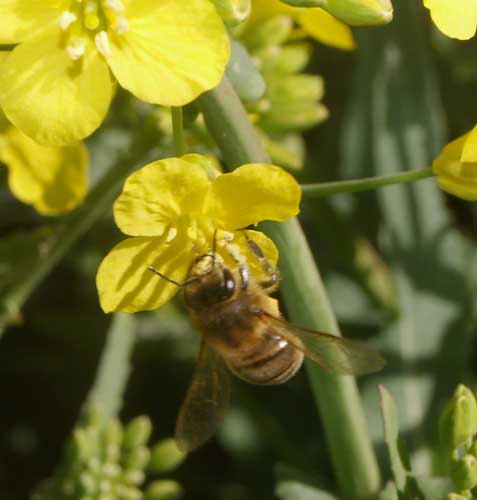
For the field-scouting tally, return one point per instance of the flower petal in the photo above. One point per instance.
(253, 193)
(50, 97)
(155, 196)
(267, 246)
(22, 19)
(454, 19)
(469, 150)
(170, 54)
(456, 177)
(126, 284)
(53, 180)
(326, 29)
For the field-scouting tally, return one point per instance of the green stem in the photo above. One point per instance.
(114, 366)
(180, 147)
(305, 297)
(73, 226)
(329, 188)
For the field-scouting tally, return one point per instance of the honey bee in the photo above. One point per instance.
(243, 332)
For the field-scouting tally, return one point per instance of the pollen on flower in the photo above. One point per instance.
(66, 19)
(102, 43)
(115, 5)
(76, 48)
(122, 25)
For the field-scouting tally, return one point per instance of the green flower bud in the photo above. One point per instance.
(92, 416)
(133, 477)
(166, 456)
(87, 484)
(164, 490)
(458, 421)
(137, 458)
(464, 472)
(456, 496)
(137, 432)
(295, 116)
(361, 12)
(243, 74)
(305, 3)
(113, 433)
(273, 31)
(233, 12)
(296, 88)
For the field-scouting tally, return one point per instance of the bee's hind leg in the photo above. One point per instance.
(271, 284)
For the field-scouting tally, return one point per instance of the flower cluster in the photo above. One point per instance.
(172, 209)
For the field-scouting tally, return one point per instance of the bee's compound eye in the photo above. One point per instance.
(229, 284)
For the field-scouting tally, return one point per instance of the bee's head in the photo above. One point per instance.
(209, 282)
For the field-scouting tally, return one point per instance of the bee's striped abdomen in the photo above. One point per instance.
(268, 360)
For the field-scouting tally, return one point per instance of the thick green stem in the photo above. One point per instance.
(337, 398)
(180, 147)
(329, 188)
(114, 366)
(73, 226)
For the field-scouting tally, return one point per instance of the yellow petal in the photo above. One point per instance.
(469, 150)
(455, 18)
(53, 180)
(253, 193)
(172, 52)
(155, 196)
(126, 284)
(50, 97)
(326, 29)
(23, 19)
(263, 9)
(454, 176)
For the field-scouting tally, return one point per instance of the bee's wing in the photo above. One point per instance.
(334, 354)
(205, 402)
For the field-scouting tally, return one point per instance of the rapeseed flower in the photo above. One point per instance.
(57, 84)
(456, 167)
(455, 18)
(172, 209)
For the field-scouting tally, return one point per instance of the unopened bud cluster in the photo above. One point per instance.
(105, 460)
(458, 428)
(291, 101)
(233, 12)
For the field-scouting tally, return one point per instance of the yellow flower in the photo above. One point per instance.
(456, 167)
(53, 180)
(57, 84)
(172, 208)
(316, 22)
(455, 18)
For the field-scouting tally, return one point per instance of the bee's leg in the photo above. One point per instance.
(274, 274)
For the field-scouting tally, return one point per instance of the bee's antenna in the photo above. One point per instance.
(163, 276)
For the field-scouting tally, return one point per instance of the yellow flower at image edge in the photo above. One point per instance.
(456, 167)
(172, 208)
(455, 18)
(57, 84)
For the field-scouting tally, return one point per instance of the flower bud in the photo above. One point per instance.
(464, 472)
(456, 496)
(272, 31)
(456, 167)
(361, 12)
(137, 432)
(458, 421)
(233, 12)
(166, 456)
(164, 490)
(137, 458)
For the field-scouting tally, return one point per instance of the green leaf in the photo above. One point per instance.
(391, 436)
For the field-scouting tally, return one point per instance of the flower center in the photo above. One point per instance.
(92, 20)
